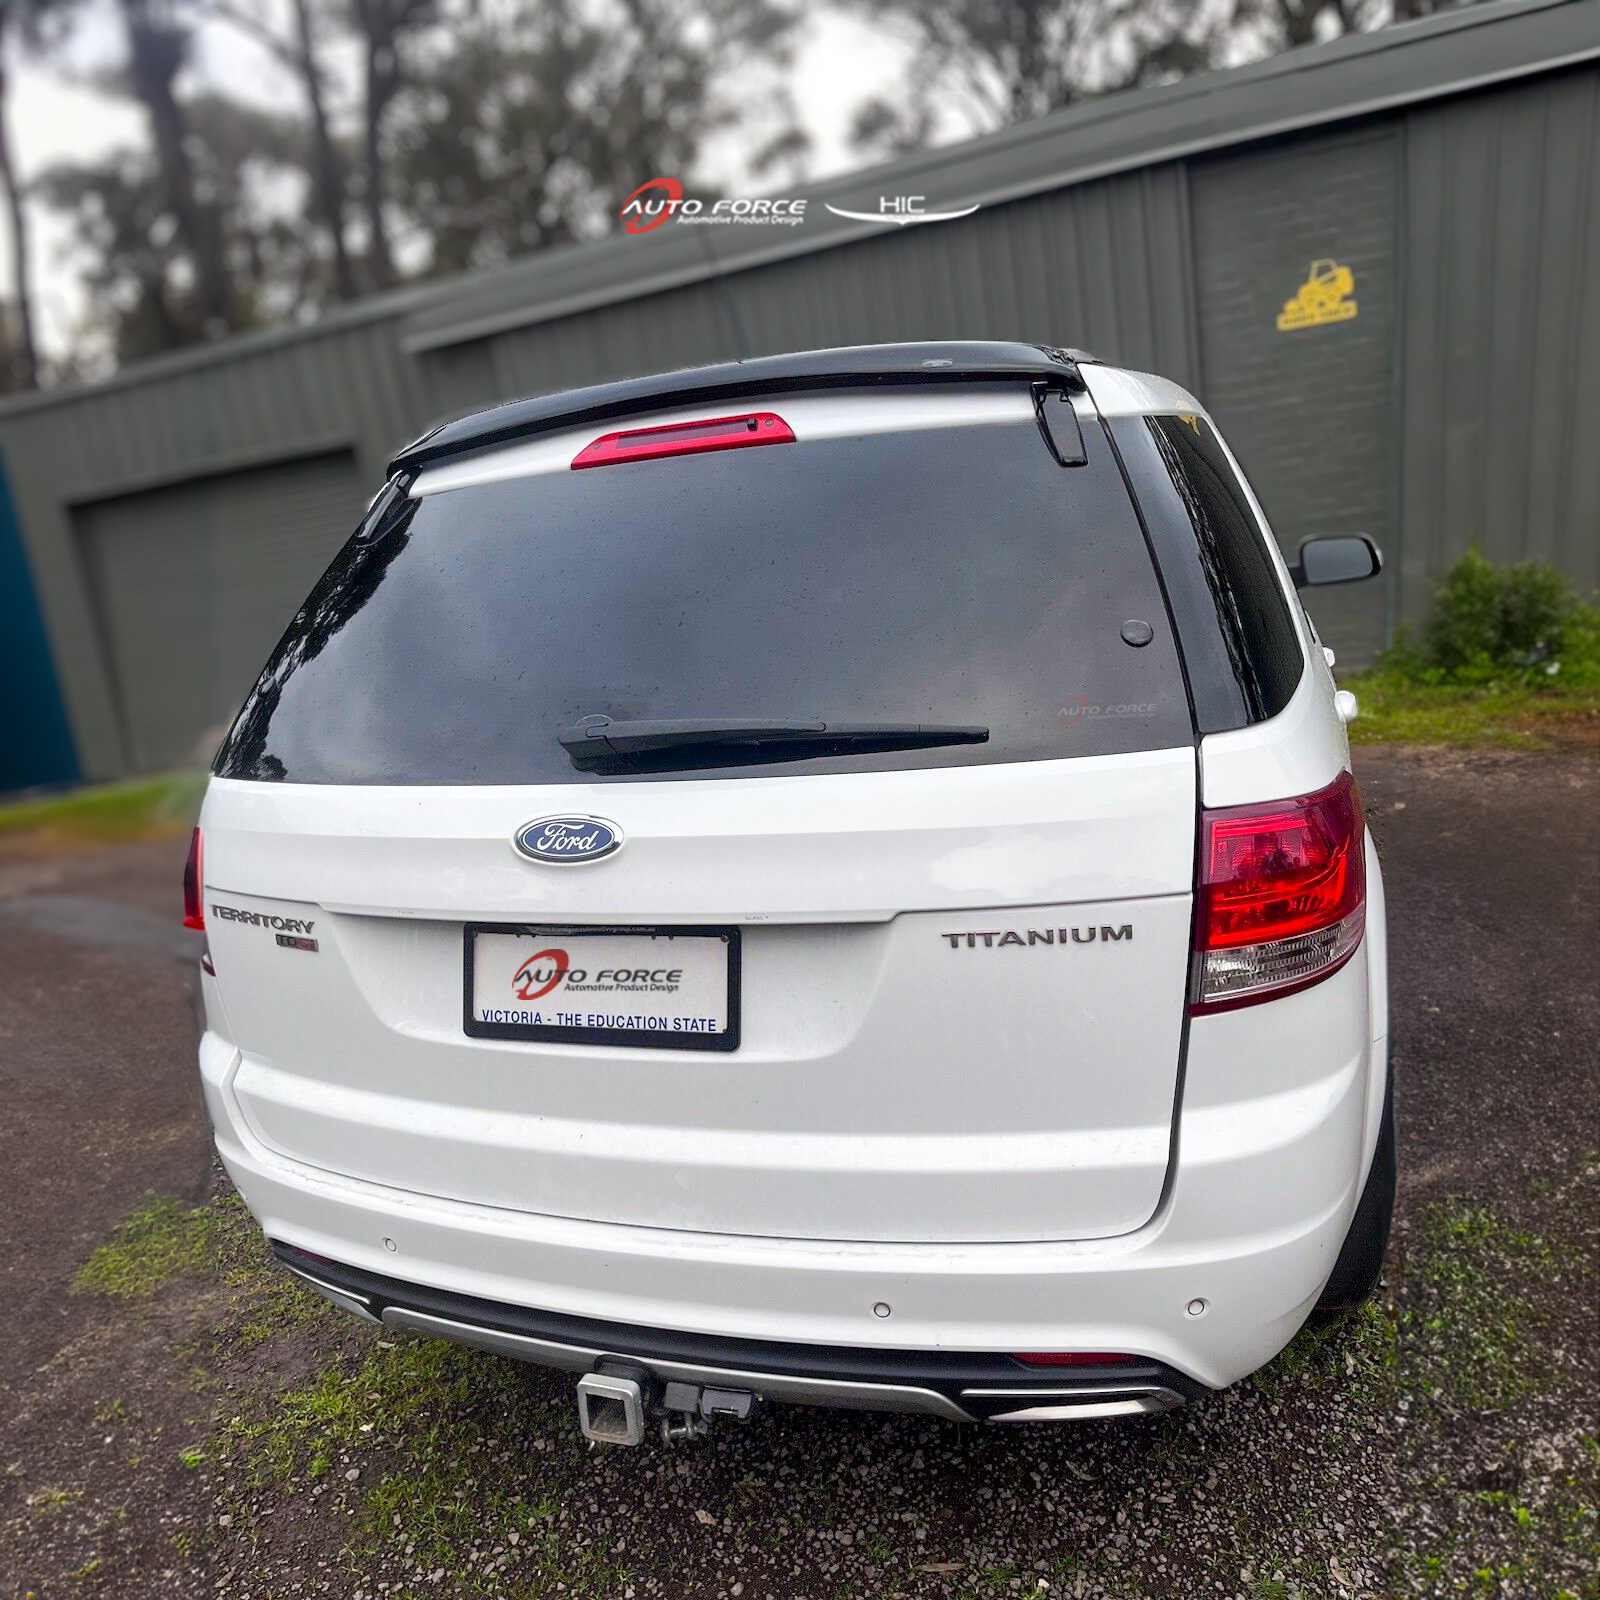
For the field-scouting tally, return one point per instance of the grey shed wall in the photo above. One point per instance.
(84, 472)
(1501, 331)
(1451, 407)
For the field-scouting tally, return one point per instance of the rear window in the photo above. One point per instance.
(1251, 610)
(954, 575)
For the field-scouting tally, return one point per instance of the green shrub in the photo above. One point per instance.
(1520, 623)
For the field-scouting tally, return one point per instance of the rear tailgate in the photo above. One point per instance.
(961, 969)
(976, 1039)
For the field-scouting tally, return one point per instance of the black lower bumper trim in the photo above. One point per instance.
(946, 1372)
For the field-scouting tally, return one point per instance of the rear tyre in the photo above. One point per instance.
(1356, 1272)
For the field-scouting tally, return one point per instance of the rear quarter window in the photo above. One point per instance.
(954, 575)
(1252, 613)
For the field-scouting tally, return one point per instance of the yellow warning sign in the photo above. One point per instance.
(1325, 296)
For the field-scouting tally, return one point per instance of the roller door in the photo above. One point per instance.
(193, 585)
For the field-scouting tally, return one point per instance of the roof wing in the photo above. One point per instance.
(851, 367)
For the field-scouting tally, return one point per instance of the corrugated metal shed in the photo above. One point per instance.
(1500, 340)
(1473, 216)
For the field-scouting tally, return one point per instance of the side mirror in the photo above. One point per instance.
(1336, 558)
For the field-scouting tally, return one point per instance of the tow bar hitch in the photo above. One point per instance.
(618, 1401)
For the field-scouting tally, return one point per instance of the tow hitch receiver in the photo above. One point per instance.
(611, 1409)
(616, 1405)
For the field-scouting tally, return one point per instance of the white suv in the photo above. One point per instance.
(834, 878)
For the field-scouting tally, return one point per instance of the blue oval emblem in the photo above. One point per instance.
(567, 841)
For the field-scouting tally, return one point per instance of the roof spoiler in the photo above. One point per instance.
(861, 366)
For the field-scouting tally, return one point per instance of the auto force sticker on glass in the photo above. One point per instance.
(655, 983)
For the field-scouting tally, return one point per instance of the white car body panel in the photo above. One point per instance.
(1121, 393)
(1094, 828)
(1303, 748)
(1263, 1193)
(844, 1101)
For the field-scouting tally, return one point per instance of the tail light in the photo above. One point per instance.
(194, 911)
(685, 439)
(1282, 895)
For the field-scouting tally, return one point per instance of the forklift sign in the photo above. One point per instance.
(1325, 296)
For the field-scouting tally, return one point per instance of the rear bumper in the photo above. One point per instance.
(1277, 1124)
(958, 1386)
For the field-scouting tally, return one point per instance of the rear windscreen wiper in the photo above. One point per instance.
(656, 741)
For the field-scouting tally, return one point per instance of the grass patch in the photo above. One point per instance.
(109, 813)
(264, 1299)
(1470, 1333)
(46, 1502)
(1539, 1551)
(160, 1239)
(1357, 1351)
(1396, 709)
(433, 1431)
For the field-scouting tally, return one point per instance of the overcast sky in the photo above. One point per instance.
(56, 115)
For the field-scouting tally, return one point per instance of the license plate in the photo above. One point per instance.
(666, 988)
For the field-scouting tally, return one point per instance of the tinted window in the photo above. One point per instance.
(1257, 628)
(956, 575)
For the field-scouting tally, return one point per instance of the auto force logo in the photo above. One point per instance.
(547, 969)
(1077, 708)
(660, 200)
(567, 841)
(651, 204)
(540, 973)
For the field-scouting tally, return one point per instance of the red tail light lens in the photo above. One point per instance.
(194, 911)
(1282, 895)
(685, 439)
(1074, 1358)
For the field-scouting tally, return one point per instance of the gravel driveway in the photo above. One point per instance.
(186, 1422)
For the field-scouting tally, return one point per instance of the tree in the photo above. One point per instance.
(23, 360)
(425, 136)
(995, 62)
(1287, 24)
(158, 47)
(297, 49)
(146, 281)
(385, 29)
(330, 179)
(21, 22)
(534, 125)
(989, 63)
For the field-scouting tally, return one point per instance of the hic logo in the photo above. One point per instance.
(902, 209)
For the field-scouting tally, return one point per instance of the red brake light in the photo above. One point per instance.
(1282, 894)
(685, 439)
(194, 911)
(1074, 1358)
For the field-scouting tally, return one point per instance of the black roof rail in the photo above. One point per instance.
(853, 366)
